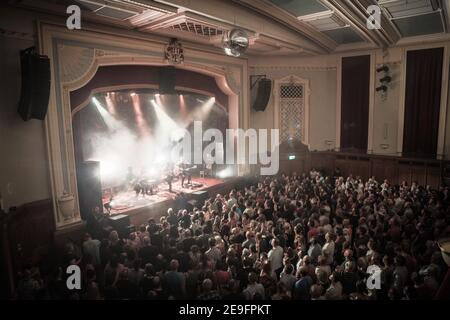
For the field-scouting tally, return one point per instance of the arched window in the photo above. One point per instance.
(292, 109)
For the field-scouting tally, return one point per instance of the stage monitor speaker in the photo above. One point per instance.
(35, 90)
(199, 197)
(89, 188)
(167, 80)
(263, 94)
(121, 223)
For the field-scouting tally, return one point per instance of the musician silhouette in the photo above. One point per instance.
(169, 175)
(130, 175)
(169, 180)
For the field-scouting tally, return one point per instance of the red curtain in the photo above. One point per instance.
(422, 102)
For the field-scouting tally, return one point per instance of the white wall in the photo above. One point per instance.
(24, 172)
(323, 71)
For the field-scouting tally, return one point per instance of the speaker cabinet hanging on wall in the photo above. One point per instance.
(35, 90)
(167, 80)
(263, 94)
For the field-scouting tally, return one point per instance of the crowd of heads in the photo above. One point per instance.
(289, 237)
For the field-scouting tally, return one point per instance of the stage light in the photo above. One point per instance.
(291, 157)
(110, 104)
(167, 127)
(110, 121)
(158, 99)
(203, 111)
(160, 158)
(225, 173)
(133, 94)
(140, 119)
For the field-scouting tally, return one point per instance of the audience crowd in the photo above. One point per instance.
(289, 237)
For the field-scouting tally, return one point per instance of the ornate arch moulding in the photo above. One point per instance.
(75, 58)
(295, 80)
(136, 86)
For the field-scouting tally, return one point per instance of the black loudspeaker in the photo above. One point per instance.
(167, 80)
(121, 223)
(35, 90)
(199, 197)
(89, 188)
(263, 94)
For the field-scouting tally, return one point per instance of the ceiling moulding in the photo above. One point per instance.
(298, 68)
(148, 15)
(52, 10)
(446, 15)
(323, 16)
(280, 45)
(316, 16)
(356, 47)
(169, 21)
(272, 11)
(388, 29)
(354, 12)
(428, 38)
(118, 5)
(144, 12)
(152, 5)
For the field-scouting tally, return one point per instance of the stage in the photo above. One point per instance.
(141, 207)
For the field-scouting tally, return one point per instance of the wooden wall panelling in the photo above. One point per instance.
(418, 173)
(395, 169)
(433, 175)
(384, 169)
(404, 172)
(30, 231)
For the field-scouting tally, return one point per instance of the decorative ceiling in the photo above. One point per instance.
(274, 27)
(407, 17)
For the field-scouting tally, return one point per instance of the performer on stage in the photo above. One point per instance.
(130, 175)
(169, 175)
(169, 180)
(185, 174)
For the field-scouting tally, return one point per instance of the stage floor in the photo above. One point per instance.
(127, 200)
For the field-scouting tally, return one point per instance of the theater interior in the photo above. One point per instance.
(225, 149)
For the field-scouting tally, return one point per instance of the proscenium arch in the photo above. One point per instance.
(98, 90)
(101, 47)
(218, 74)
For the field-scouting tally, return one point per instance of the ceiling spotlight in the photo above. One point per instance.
(235, 43)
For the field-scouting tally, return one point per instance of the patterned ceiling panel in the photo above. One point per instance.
(300, 7)
(343, 35)
(420, 25)
(403, 8)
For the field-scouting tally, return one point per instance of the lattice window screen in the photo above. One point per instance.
(292, 112)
